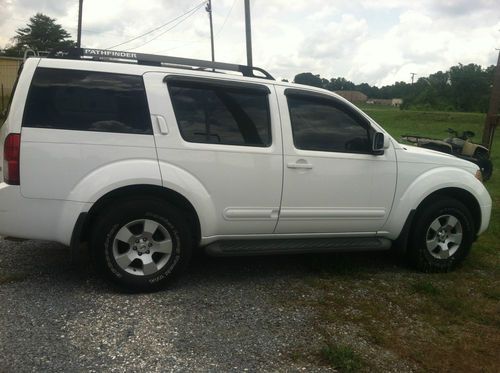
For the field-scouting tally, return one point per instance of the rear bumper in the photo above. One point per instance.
(42, 219)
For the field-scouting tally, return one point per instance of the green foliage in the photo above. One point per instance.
(41, 33)
(463, 88)
(309, 79)
(342, 357)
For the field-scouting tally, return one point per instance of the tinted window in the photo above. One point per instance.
(322, 125)
(221, 115)
(87, 101)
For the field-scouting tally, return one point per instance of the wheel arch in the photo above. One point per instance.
(459, 194)
(85, 221)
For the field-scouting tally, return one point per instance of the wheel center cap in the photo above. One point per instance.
(143, 245)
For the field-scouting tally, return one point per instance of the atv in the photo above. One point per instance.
(459, 146)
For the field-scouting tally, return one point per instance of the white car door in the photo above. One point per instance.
(227, 136)
(333, 183)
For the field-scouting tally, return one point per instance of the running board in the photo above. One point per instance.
(296, 246)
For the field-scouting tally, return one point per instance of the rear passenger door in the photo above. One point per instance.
(227, 135)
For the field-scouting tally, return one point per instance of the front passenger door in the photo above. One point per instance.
(333, 183)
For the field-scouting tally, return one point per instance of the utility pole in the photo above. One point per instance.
(412, 77)
(248, 29)
(492, 118)
(79, 32)
(208, 8)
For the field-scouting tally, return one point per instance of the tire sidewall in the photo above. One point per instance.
(419, 254)
(112, 221)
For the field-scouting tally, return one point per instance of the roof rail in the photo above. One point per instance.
(28, 52)
(157, 60)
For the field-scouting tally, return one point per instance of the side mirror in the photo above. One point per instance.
(378, 143)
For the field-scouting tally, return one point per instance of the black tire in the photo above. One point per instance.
(174, 227)
(425, 259)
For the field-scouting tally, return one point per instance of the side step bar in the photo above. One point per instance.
(296, 246)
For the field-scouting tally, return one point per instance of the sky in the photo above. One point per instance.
(377, 41)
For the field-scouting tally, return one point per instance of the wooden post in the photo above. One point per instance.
(492, 117)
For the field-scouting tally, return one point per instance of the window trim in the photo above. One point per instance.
(208, 83)
(216, 82)
(336, 103)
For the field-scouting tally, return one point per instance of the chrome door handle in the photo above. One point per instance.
(299, 165)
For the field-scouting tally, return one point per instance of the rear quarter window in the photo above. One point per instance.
(87, 101)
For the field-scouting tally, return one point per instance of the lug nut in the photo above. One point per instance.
(150, 244)
(134, 248)
(147, 251)
(139, 253)
(136, 241)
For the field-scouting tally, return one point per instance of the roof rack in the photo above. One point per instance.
(157, 60)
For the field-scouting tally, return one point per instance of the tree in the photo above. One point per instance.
(471, 87)
(309, 79)
(340, 84)
(461, 88)
(42, 33)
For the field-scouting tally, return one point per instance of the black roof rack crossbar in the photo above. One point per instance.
(157, 60)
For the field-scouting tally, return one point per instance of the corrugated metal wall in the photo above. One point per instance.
(8, 74)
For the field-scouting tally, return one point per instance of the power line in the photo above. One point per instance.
(161, 26)
(201, 41)
(181, 46)
(225, 20)
(167, 30)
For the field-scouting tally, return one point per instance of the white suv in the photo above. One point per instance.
(149, 157)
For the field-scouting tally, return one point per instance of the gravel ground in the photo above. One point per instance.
(222, 315)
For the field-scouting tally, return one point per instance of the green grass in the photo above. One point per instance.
(426, 288)
(435, 322)
(343, 358)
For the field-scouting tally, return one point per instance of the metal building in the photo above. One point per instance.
(8, 73)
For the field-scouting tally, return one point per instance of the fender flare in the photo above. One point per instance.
(430, 182)
(116, 175)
